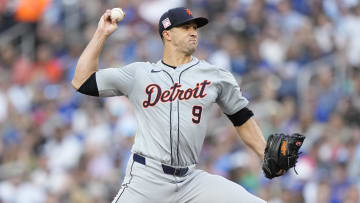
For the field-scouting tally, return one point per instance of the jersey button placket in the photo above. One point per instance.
(175, 103)
(175, 114)
(175, 123)
(175, 106)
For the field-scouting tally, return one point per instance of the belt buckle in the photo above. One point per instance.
(177, 172)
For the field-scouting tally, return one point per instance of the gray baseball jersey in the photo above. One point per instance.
(172, 105)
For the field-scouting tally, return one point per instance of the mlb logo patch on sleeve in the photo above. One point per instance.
(166, 23)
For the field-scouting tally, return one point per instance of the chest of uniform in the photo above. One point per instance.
(166, 86)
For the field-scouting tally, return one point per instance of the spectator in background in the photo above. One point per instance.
(30, 11)
(297, 61)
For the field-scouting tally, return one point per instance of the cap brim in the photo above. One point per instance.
(200, 21)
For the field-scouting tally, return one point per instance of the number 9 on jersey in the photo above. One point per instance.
(196, 112)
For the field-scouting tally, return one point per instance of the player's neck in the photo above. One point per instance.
(175, 59)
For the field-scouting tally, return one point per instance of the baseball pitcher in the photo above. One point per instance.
(172, 99)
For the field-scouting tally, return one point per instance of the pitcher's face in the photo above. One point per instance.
(184, 38)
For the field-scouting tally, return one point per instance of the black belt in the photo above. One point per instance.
(167, 169)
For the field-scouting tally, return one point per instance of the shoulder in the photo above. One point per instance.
(138, 64)
(145, 65)
(208, 65)
(132, 67)
(211, 67)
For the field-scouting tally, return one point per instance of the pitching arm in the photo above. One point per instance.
(88, 62)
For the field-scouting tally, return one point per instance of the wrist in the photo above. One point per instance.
(261, 155)
(100, 35)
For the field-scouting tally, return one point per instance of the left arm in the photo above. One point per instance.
(252, 136)
(234, 105)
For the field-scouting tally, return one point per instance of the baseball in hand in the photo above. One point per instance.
(117, 14)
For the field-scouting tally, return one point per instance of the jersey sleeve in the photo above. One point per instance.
(230, 98)
(116, 81)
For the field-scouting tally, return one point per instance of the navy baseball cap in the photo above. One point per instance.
(179, 16)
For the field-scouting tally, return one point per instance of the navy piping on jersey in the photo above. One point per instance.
(179, 109)
(177, 149)
(178, 141)
(171, 150)
(126, 184)
(168, 64)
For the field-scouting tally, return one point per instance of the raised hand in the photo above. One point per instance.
(107, 25)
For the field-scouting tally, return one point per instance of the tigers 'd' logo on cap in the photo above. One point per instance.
(166, 23)
(188, 12)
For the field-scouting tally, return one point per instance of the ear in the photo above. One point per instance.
(166, 35)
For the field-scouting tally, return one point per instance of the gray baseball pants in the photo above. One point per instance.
(146, 182)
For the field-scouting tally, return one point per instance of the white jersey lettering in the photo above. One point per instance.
(155, 93)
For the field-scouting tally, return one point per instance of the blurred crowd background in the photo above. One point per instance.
(297, 61)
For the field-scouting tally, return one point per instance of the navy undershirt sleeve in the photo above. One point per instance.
(90, 87)
(241, 116)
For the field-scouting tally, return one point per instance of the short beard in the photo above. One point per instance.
(190, 51)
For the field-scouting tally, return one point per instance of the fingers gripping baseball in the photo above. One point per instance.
(108, 21)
